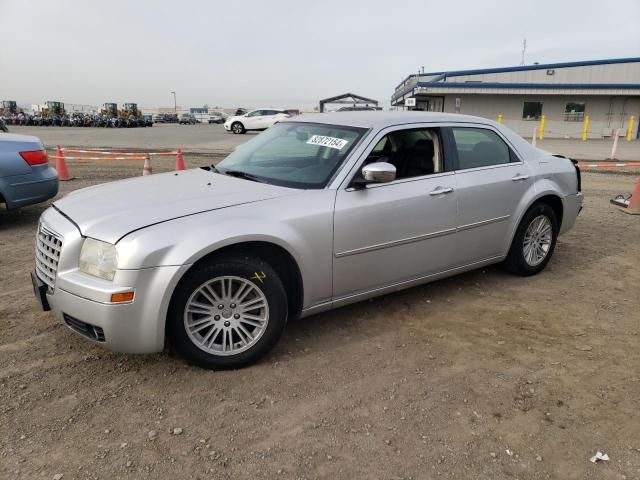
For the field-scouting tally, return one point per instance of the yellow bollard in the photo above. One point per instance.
(542, 127)
(500, 119)
(585, 129)
(630, 128)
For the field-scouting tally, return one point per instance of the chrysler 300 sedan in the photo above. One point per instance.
(319, 211)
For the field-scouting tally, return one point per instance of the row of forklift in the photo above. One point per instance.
(54, 114)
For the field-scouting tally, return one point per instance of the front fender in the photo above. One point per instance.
(303, 229)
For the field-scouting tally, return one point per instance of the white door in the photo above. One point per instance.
(254, 120)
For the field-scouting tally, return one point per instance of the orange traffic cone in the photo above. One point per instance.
(146, 169)
(179, 160)
(61, 167)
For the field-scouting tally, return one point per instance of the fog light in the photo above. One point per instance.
(122, 297)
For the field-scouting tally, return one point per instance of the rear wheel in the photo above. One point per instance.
(227, 313)
(534, 241)
(237, 127)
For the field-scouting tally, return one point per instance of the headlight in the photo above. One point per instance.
(99, 259)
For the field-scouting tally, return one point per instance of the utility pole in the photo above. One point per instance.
(175, 105)
(524, 49)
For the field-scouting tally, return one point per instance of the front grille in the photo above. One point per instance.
(48, 246)
(85, 329)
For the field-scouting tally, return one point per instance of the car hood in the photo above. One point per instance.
(112, 210)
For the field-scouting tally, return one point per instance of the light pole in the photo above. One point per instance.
(175, 107)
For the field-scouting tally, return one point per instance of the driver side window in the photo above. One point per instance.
(414, 152)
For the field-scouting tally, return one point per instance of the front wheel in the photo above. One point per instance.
(227, 313)
(534, 241)
(237, 128)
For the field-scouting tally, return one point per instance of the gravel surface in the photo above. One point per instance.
(480, 376)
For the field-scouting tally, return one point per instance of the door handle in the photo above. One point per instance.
(520, 178)
(441, 191)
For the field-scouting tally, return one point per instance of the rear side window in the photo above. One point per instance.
(478, 147)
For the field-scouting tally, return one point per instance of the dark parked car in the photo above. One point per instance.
(25, 175)
(187, 119)
(217, 117)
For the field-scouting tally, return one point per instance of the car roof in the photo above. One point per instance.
(381, 119)
(377, 120)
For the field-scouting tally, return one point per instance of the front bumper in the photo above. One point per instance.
(81, 300)
(131, 327)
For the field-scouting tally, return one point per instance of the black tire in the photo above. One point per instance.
(516, 262)
(237, 128)
(258, 273)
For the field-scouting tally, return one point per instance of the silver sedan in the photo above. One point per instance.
(317, 212)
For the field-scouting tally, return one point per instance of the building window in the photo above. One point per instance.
(532, 111)
(574, 112)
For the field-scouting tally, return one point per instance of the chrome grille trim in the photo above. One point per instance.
(48, 247)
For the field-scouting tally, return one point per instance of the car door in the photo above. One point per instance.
(390, 233)
(491, 181)
(254, 120)
(273, 116)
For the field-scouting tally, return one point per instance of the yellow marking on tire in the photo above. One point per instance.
(259, 276)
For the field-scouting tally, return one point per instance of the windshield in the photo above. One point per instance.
(299, 155)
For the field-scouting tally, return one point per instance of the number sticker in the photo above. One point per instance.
(331, 142)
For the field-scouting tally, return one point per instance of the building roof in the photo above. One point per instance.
(521, 68)
(450, 81)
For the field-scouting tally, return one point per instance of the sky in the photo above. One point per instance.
(284, 53)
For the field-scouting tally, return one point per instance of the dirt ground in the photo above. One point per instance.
(481, 376)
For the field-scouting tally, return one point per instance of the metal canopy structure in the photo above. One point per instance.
(349, 99)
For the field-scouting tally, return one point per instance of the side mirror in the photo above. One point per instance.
(379, 172)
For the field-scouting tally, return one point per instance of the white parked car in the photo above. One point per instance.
(259, 119)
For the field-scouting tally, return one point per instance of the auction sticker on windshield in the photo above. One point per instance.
(331, 142)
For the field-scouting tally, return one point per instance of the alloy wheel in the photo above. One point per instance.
(226, 315)
(537, 240)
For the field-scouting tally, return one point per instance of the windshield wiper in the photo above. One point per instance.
(245, 175)
(212, 168)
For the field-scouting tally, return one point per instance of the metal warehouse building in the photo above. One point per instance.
(564, 94)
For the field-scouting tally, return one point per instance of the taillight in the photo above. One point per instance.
(575, 165)
(35, 157)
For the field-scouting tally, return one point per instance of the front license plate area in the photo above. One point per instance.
(40, 291)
